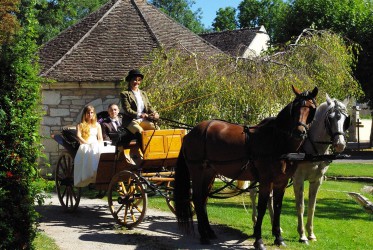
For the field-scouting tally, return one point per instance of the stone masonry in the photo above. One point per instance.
(63, 107)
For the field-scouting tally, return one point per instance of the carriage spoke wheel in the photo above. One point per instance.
(127, 199)
(169, 195)
(68, 195)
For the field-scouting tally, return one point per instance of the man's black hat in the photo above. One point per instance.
(134, 73)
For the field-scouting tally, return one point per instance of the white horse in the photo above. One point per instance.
(328, 128)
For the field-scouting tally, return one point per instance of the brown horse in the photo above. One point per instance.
(237, 152)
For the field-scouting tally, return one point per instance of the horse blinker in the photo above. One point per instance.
(347, 123)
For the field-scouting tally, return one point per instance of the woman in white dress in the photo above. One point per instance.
(90, 137)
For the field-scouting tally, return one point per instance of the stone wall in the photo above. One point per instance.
(63, 104)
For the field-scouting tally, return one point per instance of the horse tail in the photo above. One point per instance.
(183, 208)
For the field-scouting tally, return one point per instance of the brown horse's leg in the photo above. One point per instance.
(264, 191)
(278, 195)
(202, 183)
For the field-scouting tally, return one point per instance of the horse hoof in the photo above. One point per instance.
(312, 238)
(204, 241)
(212, 236)
(279, 243)
(304, 242)
(258, 245)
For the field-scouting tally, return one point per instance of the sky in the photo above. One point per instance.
(210, 7)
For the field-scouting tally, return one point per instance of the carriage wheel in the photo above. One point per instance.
(68, 195)
(169, 195)
(127, 199)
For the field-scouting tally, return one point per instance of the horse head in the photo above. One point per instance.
(337, 121)
(301, 110)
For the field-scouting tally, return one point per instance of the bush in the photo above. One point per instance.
(19, 133)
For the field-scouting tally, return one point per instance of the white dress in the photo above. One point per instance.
(87, 158)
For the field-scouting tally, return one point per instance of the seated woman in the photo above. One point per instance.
(139, 114)
(91, 146)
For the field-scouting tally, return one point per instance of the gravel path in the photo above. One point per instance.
(92, 227)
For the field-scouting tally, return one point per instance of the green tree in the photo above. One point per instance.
(8, 22)
(269, 13)
(225, 19)
(350, 18)
(55, 16)
(19, 128)
(191, 89)
(180, 10)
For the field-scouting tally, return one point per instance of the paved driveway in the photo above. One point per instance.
(92, 227)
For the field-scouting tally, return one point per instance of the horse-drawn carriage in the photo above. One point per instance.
(211, 148)
(127, 172)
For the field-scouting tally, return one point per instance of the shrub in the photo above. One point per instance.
(19, 132)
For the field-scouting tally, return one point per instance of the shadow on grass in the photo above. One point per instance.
(335, 209)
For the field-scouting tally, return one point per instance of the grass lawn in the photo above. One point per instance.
(350, 169)
(42, 241)
(340, 223)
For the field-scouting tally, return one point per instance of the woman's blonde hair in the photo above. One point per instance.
(87, 123)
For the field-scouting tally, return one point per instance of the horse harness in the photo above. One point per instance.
(303, 97)
(249, 163)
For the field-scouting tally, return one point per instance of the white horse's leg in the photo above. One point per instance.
(270, 207)
(242, 184)
(298, 186)
(313, 190)
(253, 194)
(314, 187)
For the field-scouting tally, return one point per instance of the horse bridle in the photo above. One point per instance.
(346, 124)
(327, 122)
(303, 97)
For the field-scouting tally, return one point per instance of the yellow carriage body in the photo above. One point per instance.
(160, 149)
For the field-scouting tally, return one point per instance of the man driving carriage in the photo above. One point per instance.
(139, 115)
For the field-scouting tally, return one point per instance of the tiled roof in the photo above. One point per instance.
(233, 42)
(105, 45)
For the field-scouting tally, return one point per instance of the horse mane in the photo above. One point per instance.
(266, 122)
(282, 119)
(323, 109)
(221, 120)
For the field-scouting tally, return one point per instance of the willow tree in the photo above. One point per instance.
(190, 88)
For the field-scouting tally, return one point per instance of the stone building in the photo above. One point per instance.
(88, 61)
